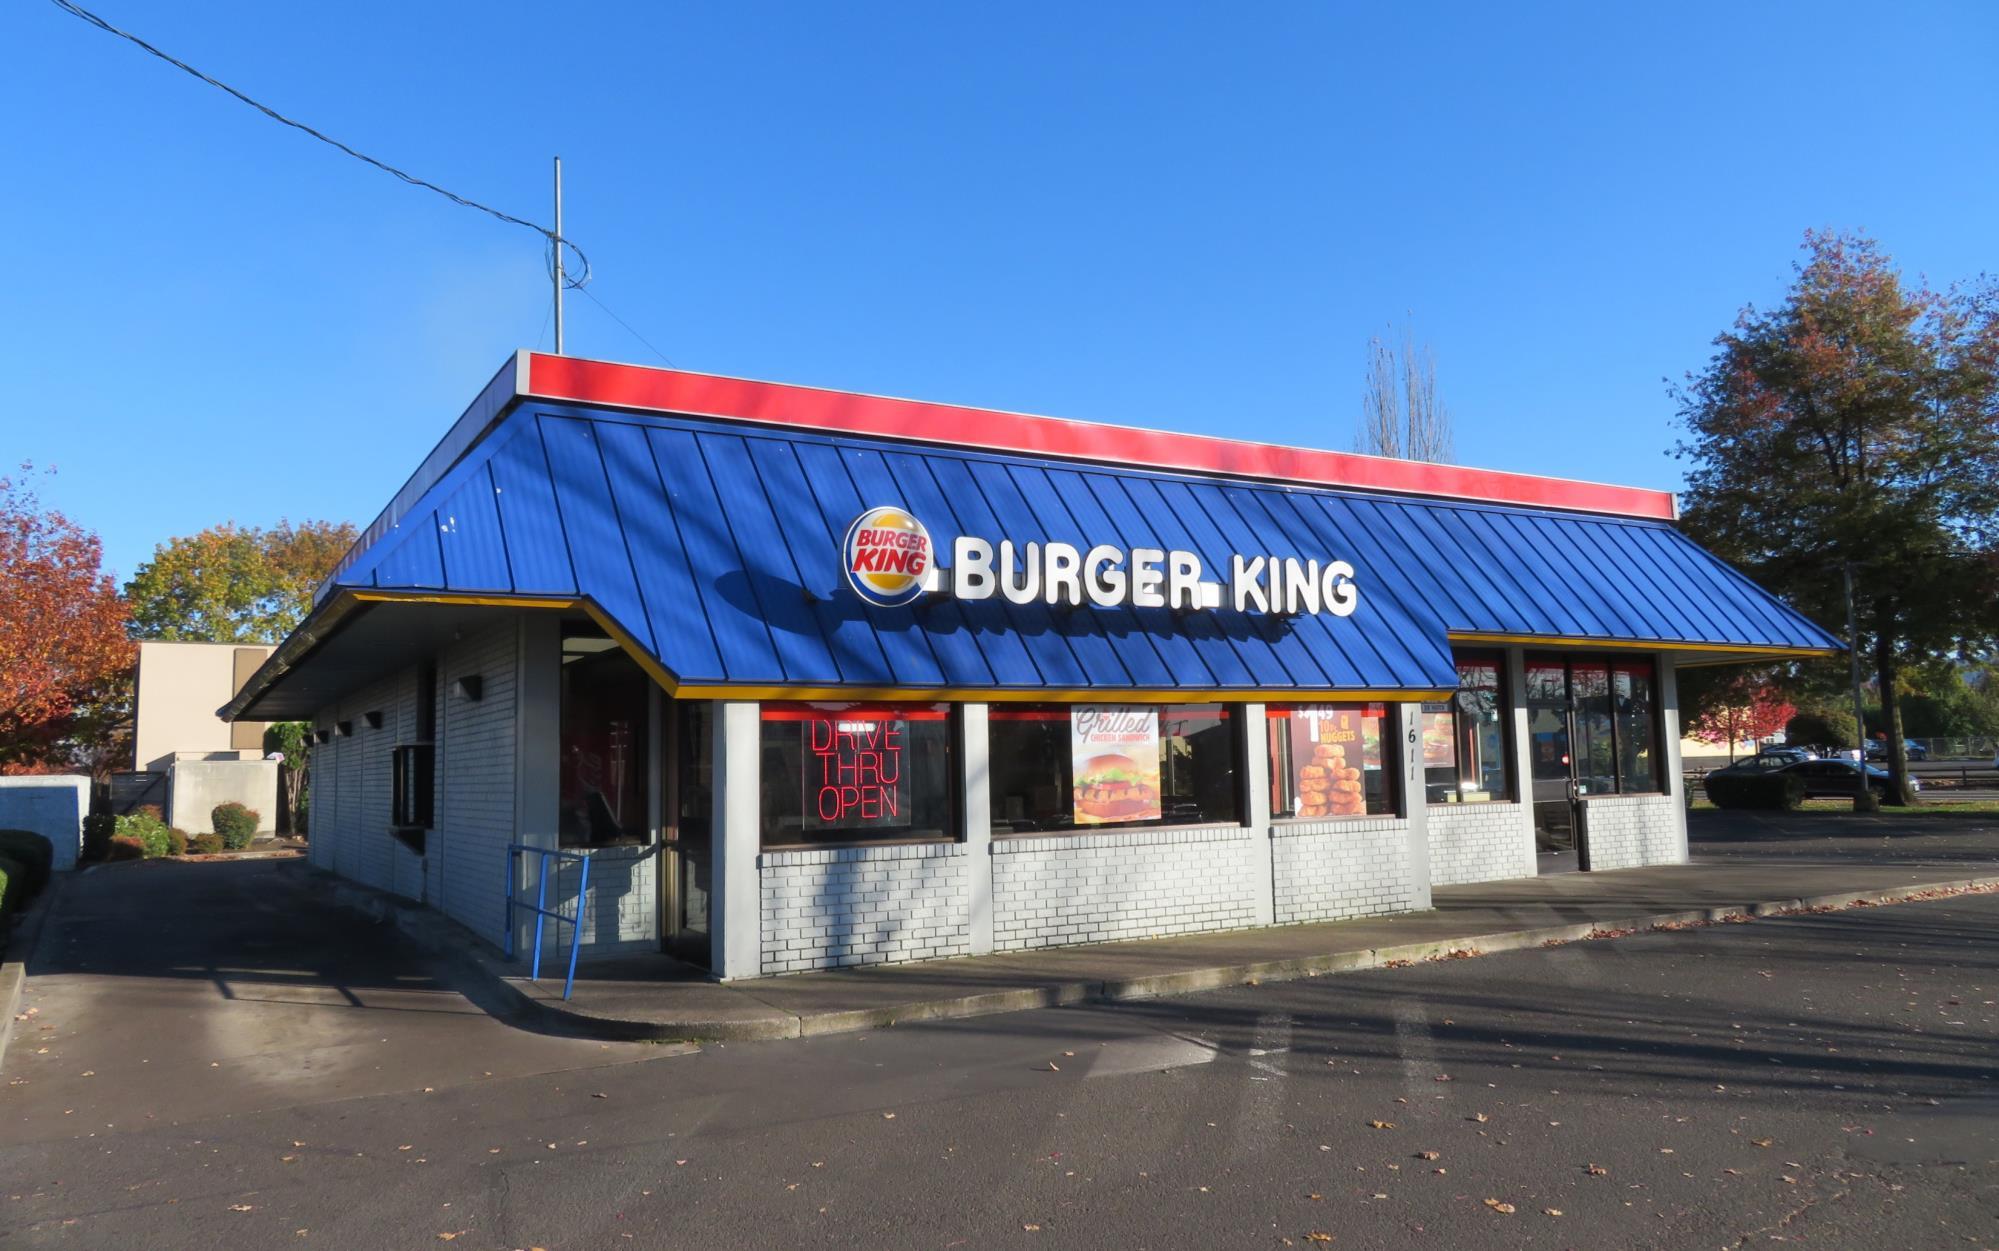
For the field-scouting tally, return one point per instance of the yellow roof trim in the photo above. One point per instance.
(1648, 645)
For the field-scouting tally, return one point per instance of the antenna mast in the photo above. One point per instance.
(556, 244)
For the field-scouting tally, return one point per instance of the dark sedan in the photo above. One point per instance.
(1834, 778)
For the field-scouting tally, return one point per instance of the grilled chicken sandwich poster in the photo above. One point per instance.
(1114, 762)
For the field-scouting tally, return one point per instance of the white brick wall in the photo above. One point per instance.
(1330, 870)
(825, 908)
(621, 914)
(1632, 830)
(1481, 842)
(1094, 888)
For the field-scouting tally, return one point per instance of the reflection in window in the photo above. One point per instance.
(1616, 722)
(1548, 718)
(857, 773)
(1637, 725)
(1330, 760)
(1071, 766)
(1465, 738)
(602, 791)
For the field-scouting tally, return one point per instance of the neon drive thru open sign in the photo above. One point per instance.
(890, 559)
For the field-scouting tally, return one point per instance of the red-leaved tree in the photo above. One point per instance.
(65, 660)
(1743, 709)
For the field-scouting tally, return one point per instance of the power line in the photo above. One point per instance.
(628, 329)
(555, 240)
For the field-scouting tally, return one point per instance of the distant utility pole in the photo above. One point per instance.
(556, 247)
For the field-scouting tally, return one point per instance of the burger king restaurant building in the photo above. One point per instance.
(814, 679)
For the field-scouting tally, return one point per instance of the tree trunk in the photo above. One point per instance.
(1899, 789)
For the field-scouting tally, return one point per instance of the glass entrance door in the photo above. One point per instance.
(687, 860)
(1553, 728)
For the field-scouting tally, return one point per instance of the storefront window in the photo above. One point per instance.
(1330, 760)
(1464, 740)
(605, 711)
(1088, 766)
(1616, 722)
(858, 773)
(1631, 689)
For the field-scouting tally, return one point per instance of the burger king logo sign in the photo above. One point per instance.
(888, 556)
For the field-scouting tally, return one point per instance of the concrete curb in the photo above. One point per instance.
(27, 936)
(528, 1000)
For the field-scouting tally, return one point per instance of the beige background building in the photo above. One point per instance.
(200, 759)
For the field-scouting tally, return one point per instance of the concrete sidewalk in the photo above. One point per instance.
(654, 997)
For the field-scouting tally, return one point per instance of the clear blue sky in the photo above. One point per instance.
(1190, 218)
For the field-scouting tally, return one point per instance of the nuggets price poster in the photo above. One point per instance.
(1114, 763)
(1329, 749)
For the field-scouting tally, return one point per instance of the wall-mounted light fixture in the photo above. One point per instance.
(471, 687)
(374, 719)
(345, 729)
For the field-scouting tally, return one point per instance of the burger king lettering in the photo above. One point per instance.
(890, 560)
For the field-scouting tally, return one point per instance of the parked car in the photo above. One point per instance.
(1878, 749)
(1770, 758)
(1835, 778)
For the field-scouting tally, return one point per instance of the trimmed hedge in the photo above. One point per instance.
(125, 847)
(176, 842)
(236, 824)
(1755, 790)
(207, 844)
(145, 829)
(35, 854)
(98, 828)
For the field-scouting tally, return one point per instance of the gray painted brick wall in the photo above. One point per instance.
(1486, 842)
(1093, 888)
(823, 909)
(1330, 870)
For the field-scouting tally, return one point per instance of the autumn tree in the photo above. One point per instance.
(65, 660)
(1737, 707)
(1856, 426)
(235, 584)
(1401, 414)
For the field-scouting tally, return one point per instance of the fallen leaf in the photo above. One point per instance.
(287, 1159)
(1031, 1228)
(241, 1207)
(1315, 1198)
(889, 1116)
(1381, 1124)
(1761, 1142)
(1595, 1170)
(1505, 1209)
(1551, 1211)
(1052, 1068)
(406, 1146)
(1427, 1155)
(1480, 1117)
(600, 1095)
(1318, 1235)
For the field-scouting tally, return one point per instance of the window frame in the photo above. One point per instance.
(1232, 714)
(1657, 718)
(954, 780)
(1509, 747)
(1394, 724)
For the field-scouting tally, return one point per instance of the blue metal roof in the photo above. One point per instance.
(716, 547)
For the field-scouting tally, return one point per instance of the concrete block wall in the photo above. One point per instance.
(831, 907)
(348, 822)
(1627, 831)
(1331, 870)
(1481, 842)
(51, 805)
(1094, 888)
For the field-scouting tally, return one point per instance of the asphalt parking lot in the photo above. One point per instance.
(1821, 1078)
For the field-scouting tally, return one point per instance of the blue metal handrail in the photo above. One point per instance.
(542, 912)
